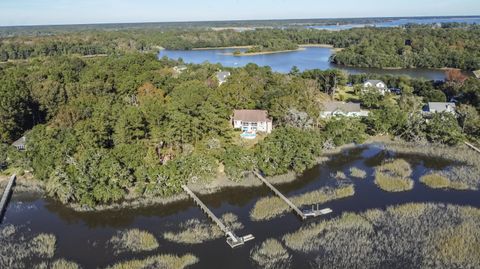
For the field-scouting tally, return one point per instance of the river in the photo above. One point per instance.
(309, 58)
(83, 237)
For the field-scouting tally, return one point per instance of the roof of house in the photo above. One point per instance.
(222, 76)
(440, 106)
(249, 115)
(373, 81)
(20, 142)
(345, 107)
(477, 73)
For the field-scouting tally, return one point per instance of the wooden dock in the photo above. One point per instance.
(6, 195)
(472, 147)
(277, 192)
(232, 239)
(302, 214)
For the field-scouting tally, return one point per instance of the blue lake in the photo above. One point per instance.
(310, 58)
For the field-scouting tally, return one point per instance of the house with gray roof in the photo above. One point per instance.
(222, 77)
(333, 109)
(376, 84)
(440, 107)
(21, 143)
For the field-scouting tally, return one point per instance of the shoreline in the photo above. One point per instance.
(26, 186)
(262, 52)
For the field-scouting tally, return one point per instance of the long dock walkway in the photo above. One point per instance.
(232, 239)
(314, 212)
(472, 147)
(277, 192)
(6, 195)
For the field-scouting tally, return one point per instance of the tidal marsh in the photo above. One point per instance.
(464, 174)
(270, 207)
(133, 240)
(405, 236)
(393, 176)
(196, 231)
(271, 254)
(158, 261)
(358, 173)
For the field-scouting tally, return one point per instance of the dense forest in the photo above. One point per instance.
(410, 46)
(103, 129)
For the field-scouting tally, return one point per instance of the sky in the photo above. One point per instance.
(47, 12)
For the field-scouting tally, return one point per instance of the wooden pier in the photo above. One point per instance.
(232, 239)
(6, 195)
(302, 214)
(472, 147)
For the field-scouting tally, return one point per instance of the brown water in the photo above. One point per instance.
(83, 237)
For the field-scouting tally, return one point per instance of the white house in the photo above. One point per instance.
(21, 143)
(333, 109)
(222, 77)
(440, 107)
(252, 121)
(179, 69)
(376, 84)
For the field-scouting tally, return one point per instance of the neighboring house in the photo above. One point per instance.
(252, 121)
(332, 109)
(20, 144)
(376, 84)
(477, 74)
(440, 107)
(179, 69)
(222, 77)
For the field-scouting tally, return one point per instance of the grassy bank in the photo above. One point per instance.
(17, 250)
(159, 261)
(406, 236)
(271, 255)
(465, 172)
(133, 240)
(393, 176)
(439, 181)
(270, 207)
(196, 231)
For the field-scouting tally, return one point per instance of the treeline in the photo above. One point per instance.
(413, 46)
(273, 45)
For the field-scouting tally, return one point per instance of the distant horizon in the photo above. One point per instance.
(240, 20)
(74, 12)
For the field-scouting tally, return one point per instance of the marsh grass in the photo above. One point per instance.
(133, 240)
(435, 181)
(44, 245)
(158, 261)
(270, 207)
(406, 236)
(339, 175)
(358, 173)
(16, 249)
(271, 254)
(196, 231)
(393, 176)
(464, 174)
(58, 264)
